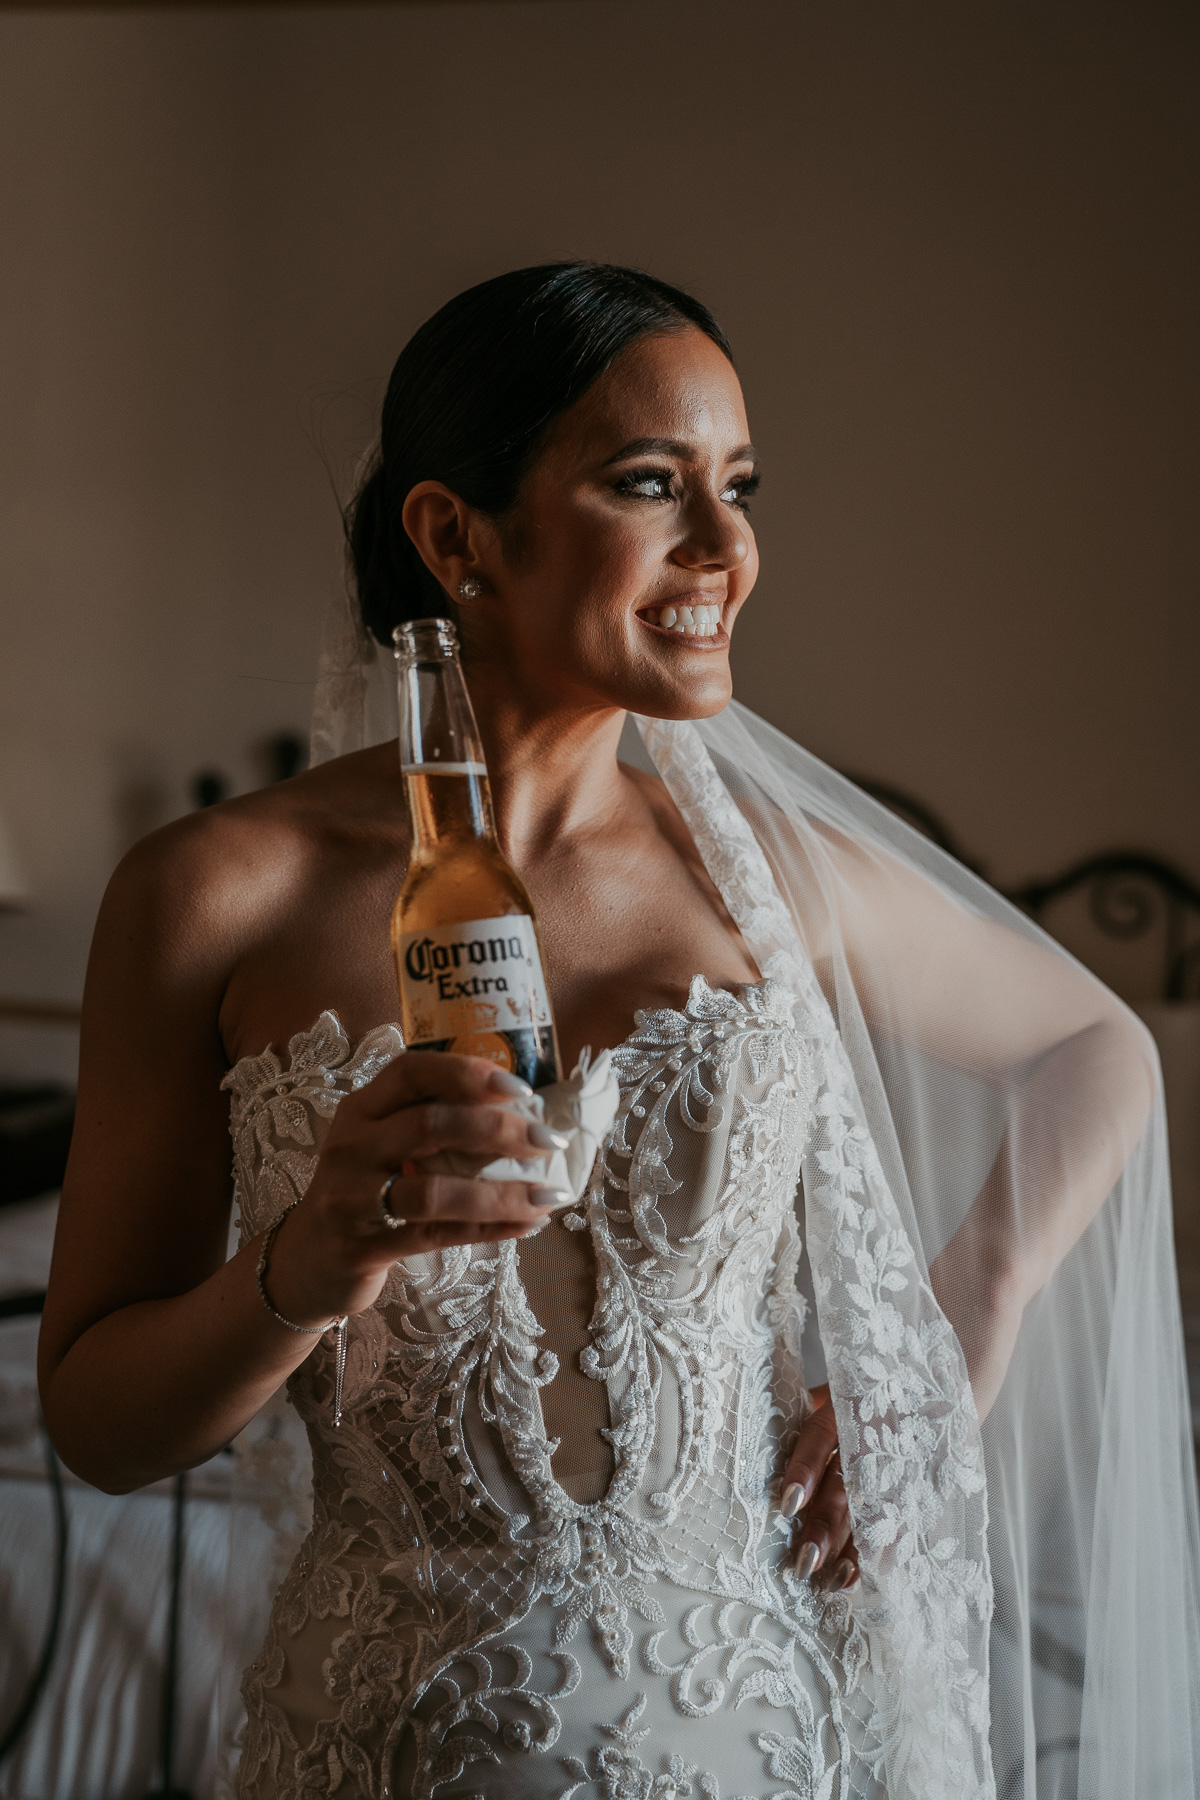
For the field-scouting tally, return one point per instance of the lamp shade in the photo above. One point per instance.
(14, 888)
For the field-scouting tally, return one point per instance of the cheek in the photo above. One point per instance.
(628, 550)
(597, 572)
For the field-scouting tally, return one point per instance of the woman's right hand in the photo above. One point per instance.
(334, 1253)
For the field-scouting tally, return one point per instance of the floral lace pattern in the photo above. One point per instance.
(908, 1431)
(454, 1615)
(616, 1772)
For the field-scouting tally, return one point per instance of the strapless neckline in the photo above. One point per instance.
(389, 1030)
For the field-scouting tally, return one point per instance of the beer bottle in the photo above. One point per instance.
(463, 929)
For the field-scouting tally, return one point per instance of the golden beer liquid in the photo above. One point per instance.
(457, 875)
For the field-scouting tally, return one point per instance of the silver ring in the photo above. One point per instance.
(382, 1201)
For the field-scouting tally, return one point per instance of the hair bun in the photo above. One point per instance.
(368, 533)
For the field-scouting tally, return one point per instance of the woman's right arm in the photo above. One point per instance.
(155, 1351)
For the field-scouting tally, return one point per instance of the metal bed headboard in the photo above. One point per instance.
(1129, 894)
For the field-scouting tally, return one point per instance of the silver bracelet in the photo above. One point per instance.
(338, 1325)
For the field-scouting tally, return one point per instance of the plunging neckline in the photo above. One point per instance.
(326, 1053)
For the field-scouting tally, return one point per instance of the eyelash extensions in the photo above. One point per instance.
(629, 483)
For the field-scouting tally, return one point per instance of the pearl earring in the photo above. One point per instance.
(469, 588)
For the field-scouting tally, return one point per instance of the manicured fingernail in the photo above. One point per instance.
(547, 1196)
(501, 1082)
(792, 1499)
(844, 1574)
(545, 1139)
(807, 1560)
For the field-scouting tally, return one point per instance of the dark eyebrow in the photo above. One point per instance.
(652, 446)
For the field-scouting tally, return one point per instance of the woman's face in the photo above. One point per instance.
(618, 578)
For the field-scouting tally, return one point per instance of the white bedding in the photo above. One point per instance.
(95, 1733)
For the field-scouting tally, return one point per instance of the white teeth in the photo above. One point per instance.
(687, 621)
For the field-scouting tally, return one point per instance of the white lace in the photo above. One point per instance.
(455, 1615)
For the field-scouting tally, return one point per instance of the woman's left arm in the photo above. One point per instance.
(1075, 1068)
(1077, 1072)
(1073, 1120)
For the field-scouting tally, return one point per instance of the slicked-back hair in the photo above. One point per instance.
(472, 396)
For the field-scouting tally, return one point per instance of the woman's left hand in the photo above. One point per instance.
(814, 1494)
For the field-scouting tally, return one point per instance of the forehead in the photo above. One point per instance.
(679, 385)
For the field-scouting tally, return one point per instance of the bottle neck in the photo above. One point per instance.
(448, 811)
(441, 756)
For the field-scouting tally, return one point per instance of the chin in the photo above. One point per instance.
(700, 699)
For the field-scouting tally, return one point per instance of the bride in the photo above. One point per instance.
(836, 1445)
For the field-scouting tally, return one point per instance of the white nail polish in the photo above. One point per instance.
(792, 1499)
(501, 1082)
(548, 1196)
(545, 1139)
(807, 1560)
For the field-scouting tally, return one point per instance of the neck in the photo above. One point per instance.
(552, 771)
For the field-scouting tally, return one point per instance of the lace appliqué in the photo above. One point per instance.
(617, 1772)
(458, 1599)
(908, 1431)
(433, 1568)
(271, 1112)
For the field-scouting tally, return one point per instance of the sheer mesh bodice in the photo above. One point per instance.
(458, 1623)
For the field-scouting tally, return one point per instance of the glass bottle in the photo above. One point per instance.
(464, 933)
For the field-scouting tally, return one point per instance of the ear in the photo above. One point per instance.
(445, 531)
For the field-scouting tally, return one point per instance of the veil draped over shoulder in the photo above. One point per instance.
(991, 1130)
(1014, 1131)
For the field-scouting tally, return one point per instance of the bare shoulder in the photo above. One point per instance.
(191, 899)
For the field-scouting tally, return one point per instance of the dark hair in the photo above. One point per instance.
(470, 400)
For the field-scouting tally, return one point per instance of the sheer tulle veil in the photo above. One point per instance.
(992, 1116)
(974, 1041)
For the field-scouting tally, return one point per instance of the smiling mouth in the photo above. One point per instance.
(702, 622)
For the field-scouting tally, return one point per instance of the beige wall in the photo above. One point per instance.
(955, 246)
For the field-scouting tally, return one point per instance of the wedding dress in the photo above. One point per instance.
(455, 1612)
(477, 1610)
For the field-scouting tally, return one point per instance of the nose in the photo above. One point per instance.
(715, 537)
